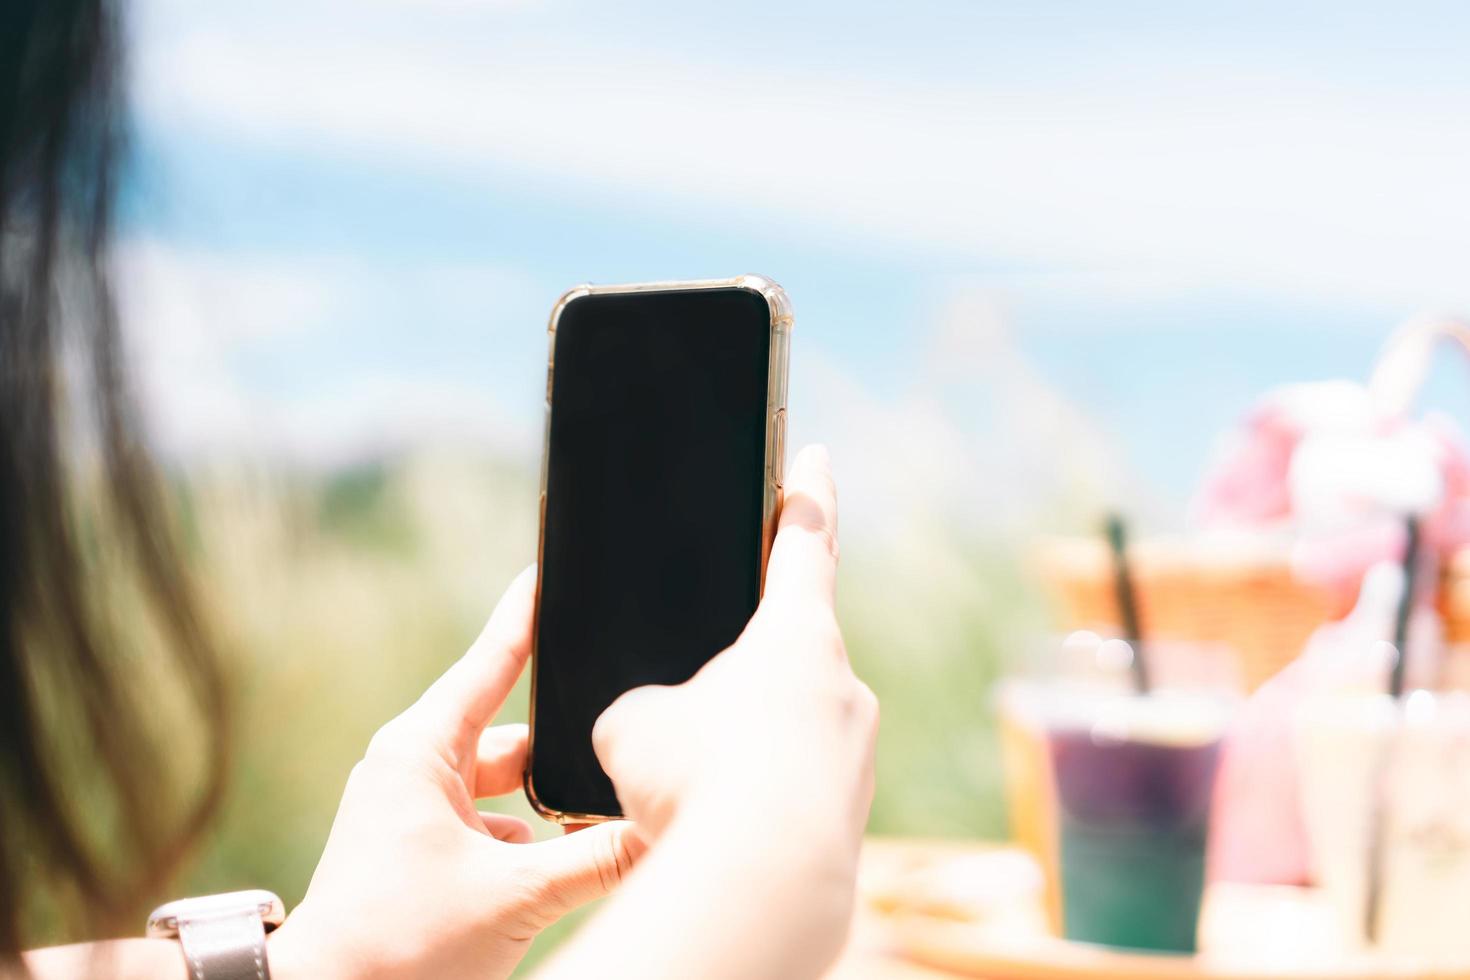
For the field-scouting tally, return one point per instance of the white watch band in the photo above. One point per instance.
(222, 936)
(228, 946)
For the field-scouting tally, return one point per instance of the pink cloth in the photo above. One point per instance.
(1248, 482)
(1323, 461)
(1256, 830)
(1261, 480)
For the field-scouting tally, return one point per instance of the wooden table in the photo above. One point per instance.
(870, 955)
(870, 952)
(1247, 933)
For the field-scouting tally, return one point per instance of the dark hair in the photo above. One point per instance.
(104, 656)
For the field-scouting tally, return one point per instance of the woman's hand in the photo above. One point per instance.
(778, 722)
(752, 781)
(414, 882)
(754, 778)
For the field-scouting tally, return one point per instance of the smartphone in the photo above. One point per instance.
(660, 487)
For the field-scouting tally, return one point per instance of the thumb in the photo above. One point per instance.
(585, 864)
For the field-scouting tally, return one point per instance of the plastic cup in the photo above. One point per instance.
(1414, 755)
(1135, 776)
(1030, 789)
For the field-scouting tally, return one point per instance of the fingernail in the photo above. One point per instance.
(819, 455)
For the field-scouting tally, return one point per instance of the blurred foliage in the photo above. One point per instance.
(343, 594)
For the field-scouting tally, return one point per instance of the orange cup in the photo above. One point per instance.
(1030, 790)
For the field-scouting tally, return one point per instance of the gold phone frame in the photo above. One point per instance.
(780, 353)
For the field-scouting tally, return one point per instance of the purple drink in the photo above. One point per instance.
(1134, 802)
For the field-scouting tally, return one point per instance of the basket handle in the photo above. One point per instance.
(1403, 364)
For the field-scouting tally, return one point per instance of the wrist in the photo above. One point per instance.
(326, 942)
(800, 840)
(292, 956)
(720, 843)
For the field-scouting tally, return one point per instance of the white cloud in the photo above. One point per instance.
(180, 316)
(372, 413)
(188, 317)
(1273, 181)
(248, 298)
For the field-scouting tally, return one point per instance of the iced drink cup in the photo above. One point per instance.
(1416, 756)
(1030, 789)
(1134, 777)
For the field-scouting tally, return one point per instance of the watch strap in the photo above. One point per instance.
(226, 945)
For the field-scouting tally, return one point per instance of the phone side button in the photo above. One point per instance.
(778, 447)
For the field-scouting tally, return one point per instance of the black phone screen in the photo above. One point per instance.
(651, 543)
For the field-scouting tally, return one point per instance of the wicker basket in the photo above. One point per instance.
(1256, 607)
(1195, 591)
(1249, 603)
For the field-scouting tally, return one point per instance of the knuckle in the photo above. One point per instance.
(610, 723)
(801, 515)
(818, 626)
(360, 773)
(398, 742)
(368, 779)
(823, 534)
(618, 723)
(536, 888)
(605, 736)
(850, 704)
(624, 854)
(386, 741)
(652, 805)
(613, 862)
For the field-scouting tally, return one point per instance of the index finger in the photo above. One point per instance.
(803, 562)
(466, 697)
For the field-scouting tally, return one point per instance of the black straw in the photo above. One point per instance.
(1117, 532)
(1377, 817)
(1406, 606)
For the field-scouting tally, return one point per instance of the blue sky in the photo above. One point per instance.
(1035, 249)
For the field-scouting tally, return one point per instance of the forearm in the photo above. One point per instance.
(114, 959)
(138, 959)
(722, 897)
